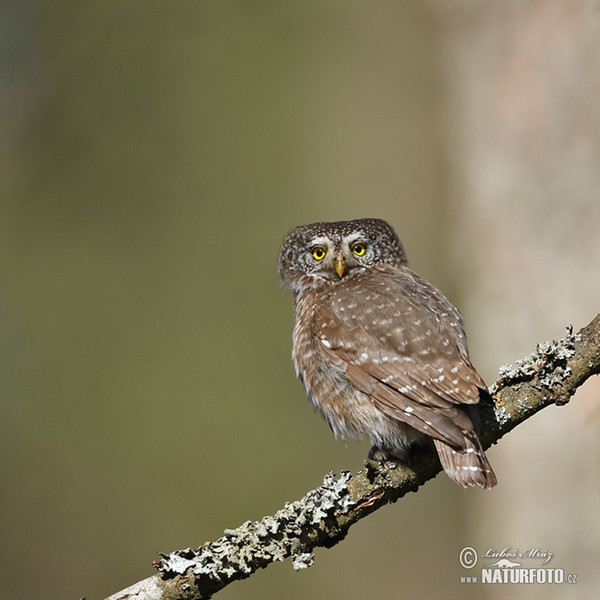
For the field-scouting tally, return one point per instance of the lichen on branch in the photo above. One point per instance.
(549, 375)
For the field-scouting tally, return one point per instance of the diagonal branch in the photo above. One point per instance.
(550, 375)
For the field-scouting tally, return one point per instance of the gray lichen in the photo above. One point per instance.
(548, 362)
(346, 499)
(302, 561)
(241, 551)
(502, 415)
(523, 405)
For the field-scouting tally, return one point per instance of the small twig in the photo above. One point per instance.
(550, 375)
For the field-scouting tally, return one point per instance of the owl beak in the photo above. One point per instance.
(340, 265)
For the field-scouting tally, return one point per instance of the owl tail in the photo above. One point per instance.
(468, 466)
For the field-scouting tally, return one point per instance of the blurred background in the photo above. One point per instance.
(153, 155)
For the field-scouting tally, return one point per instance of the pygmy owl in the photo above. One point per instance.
(381, 352)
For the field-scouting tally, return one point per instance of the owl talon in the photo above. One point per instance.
(379, 455)
(414, 452)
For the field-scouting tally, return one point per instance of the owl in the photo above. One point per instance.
(381, 352)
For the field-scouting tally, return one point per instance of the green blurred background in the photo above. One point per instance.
(152, 156)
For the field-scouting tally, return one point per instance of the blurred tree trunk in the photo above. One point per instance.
(524, 149)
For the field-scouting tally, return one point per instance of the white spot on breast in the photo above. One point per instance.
(325, 343)
(409, 409)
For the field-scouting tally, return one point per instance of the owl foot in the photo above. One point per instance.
(381, 454)
(406, 456)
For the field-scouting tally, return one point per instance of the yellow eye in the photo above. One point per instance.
(359, 249)
(318, 253)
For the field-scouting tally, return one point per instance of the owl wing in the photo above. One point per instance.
(399, 340)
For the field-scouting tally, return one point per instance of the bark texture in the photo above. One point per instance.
(549, 375)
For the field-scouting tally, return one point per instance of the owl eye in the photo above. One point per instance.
(318, 253)
(359, 249)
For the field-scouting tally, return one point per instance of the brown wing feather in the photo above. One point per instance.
(401, 342)
(446, 424)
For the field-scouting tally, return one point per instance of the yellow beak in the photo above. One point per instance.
(340, 265)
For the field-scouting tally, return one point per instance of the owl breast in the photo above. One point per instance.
(348, 412)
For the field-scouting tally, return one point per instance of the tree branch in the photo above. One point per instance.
(550, 375)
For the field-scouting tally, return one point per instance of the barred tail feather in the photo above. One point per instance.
(468, 466)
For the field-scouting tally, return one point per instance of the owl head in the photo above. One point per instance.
(321, 254)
